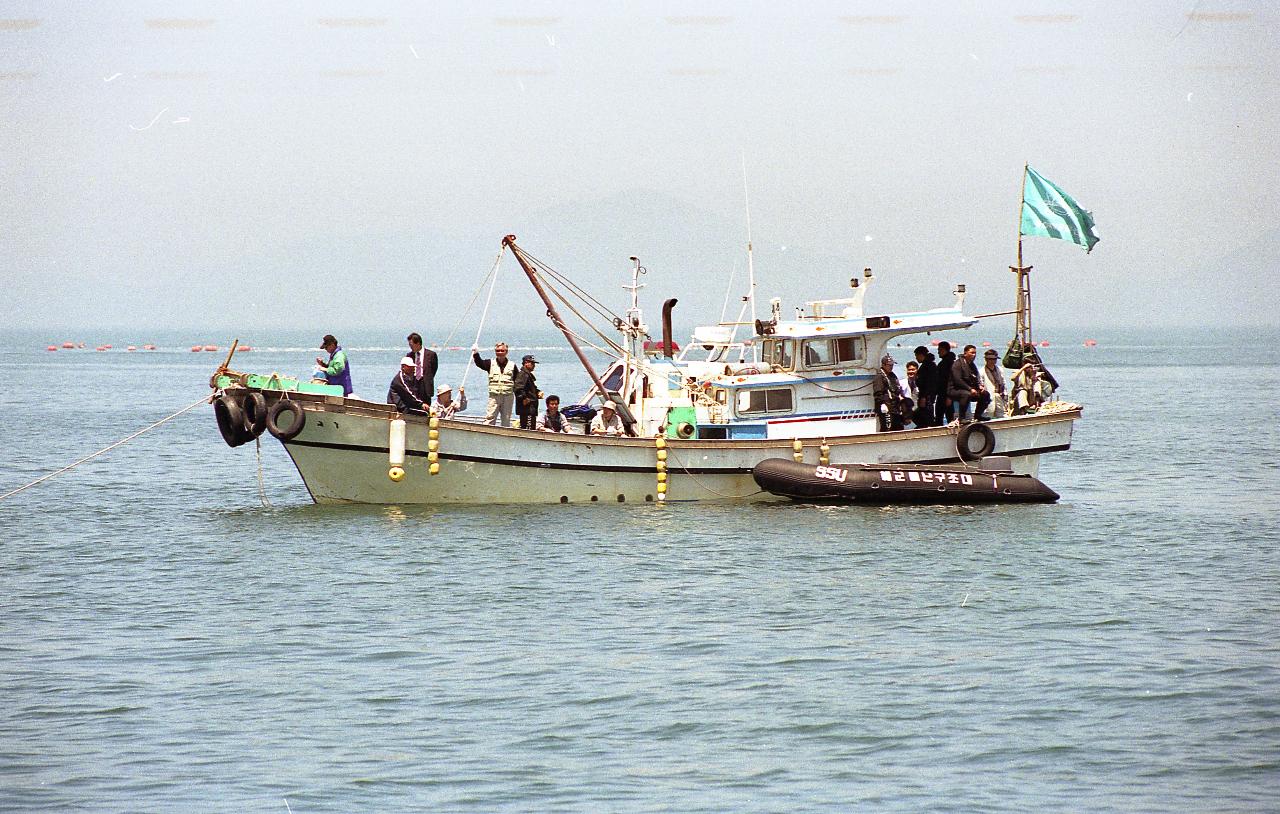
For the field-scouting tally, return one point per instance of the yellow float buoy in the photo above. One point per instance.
(396, 474)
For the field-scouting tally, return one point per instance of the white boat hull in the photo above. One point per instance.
(342, 456)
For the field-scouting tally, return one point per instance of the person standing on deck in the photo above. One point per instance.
(927, 379)
(911, 394)
(888, 396)
(502, 389)
(425, 365)
(944, 410)
(336, 368)
(527, 393)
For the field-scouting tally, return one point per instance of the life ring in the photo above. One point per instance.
(967, 452)
(255, 414)
(230, 421)
(295, 425)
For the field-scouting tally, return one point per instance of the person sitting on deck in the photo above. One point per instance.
(553, 420)
(992, 379)
(445, 405)
(335, 369)
(404, 390)
(607, 421)
(967, 391)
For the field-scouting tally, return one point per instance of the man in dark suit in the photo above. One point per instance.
(943, 409)
(927, 381)
(425, 365)
(966, 387)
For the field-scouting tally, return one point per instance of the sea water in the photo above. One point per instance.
(177, 637)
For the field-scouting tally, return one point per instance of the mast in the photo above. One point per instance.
(510, 241)
(751, 269)
(633, 327)
(1022, 327)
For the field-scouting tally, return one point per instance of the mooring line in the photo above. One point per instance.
(203, 400)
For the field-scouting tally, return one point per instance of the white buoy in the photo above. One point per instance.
(396, 454)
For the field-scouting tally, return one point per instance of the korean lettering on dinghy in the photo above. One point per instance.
(911, 475)
(834, 473)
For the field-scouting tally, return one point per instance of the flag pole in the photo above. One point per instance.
(1022, 328)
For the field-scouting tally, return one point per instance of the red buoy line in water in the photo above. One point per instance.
(203, 400)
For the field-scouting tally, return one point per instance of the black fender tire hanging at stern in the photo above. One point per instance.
(294, 424)
(230, 421)
(965, 447)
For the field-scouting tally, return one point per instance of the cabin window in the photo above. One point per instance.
(817, 353)
(842, 350)
(777, 352)
(613, 380)
(850, 349)
(765, 400)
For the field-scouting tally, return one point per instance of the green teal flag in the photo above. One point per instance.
(1047, 211)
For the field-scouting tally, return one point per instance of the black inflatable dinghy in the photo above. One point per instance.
(987, 481)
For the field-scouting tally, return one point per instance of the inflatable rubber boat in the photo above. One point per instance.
(989, 480)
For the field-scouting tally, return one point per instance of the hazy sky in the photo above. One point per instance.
(329, 165)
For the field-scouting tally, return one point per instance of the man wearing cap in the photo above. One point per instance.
(404, 392)
(335, 369)
(927, 381)
(502, 385)
(527, 394)
(607, 421)
(887, 392)
(445, 406)
(993, 381)
(425, 365)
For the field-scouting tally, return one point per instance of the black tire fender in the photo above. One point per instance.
(255, 414)
(297, 421)
(230, 421)
(967, 452)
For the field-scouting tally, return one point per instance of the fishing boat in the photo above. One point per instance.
(697, 422)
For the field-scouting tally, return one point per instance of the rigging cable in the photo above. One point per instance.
(483, 316)
(476, 296)
(202, 400)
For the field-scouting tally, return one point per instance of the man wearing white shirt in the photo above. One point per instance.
(607, 421)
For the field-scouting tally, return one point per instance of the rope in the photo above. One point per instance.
(597, 306)
(203, 400)
(605, 337)
(466, 370)
(698, 481)
(262, 489)
(476, 296)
